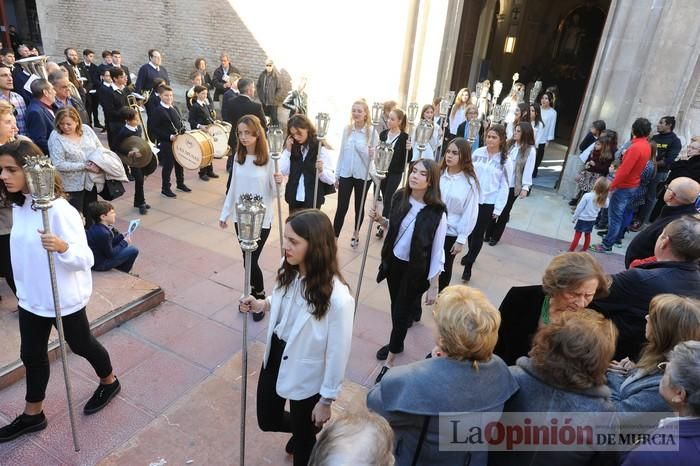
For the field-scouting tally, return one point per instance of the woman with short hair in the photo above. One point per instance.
(569, 283)
(467, 327)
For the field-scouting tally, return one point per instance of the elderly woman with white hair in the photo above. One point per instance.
(412, 397)
(680, 387)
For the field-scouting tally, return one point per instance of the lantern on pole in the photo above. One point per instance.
(423, 132)
(275, 137)
(322, 121)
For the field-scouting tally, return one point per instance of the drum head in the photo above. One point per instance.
(219, 137)
(193, 150)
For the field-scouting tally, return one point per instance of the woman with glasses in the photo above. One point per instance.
(635, 385)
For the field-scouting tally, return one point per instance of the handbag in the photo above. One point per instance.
(112, 190)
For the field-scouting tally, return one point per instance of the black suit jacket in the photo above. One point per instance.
(164, 123)
(200, 115)
(520, 316)
(232, 110)
(39, 122)
(218, 80)
(89, 74)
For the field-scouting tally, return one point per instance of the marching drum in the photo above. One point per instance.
(193, 149)
(219, 132)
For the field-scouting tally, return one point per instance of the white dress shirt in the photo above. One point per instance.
(549, 118)
(461, 196)
(327, 175)
(493, 178)
(402, 246)
(251, 178)
(457, 119)
(354, 153)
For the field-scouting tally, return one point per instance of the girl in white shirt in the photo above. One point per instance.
(309, 336)
(521, 113)
(36, 311)
(522, 157)
(458, 112)
(253, 172)
(492, 168)
(549, 122)
(460, 193)
(356, 149)
(428, 113)
(536, 121)
(412, 254)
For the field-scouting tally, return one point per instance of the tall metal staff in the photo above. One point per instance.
(411, 115)
(377, 111)
(322, 120)
(382, 159)
(40, 175)
(250, 212)
(275, 136)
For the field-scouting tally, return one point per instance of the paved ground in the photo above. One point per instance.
(180, 363)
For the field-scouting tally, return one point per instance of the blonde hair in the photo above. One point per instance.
(575, 351)
(368, 118)
(357, 438)
(68, 112)
(672, 319)
(458, 102)
(601, 189)
(467, 323)
(6, 108)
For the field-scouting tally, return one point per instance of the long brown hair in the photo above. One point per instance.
(527, 138)
(321, 259)
(432, 195)
(465, 160)
(672, 319)
(19, 149)
(500, 131)
(262, 153)
(300, 121)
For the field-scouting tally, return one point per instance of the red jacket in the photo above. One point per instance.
(633, 163)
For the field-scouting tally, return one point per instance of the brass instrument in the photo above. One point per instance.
(35, 65)
(138, 154)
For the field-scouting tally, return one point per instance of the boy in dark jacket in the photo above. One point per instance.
(111, 249)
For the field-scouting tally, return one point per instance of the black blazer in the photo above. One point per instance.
(520, 316)
(164, 123)
(218, 80)
(232, 110)
(112, 105)
(88, 73)
(399, 159)
(200, 115)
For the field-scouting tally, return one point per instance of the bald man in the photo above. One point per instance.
(679, 200)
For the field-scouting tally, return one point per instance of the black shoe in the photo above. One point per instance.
(573, 202)
(183, 187)
(143, 210)
(212, 175)
(602, 233)
(383, 353)
(381, 374)
(204, 177)
(258, 316)
(467, 274)
(102, 396)
(463, 261)
(147, 206)
(104, 130)
(493, 242)
(289, 447)
(23, 424)
(130, 177)
(168, 193)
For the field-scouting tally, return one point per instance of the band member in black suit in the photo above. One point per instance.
(130, 127)
(190, 96)
(166, 125)
(223, 76)
(150, 71)
(151, 105)
(104, 90)
(106, 61)
(74, 74)
(117, 63)
(114, 104)
(235, 108)
(201, 115)
(89, 71)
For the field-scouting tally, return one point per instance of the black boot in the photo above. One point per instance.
(23, 424)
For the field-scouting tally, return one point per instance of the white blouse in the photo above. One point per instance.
(251, 178)
(461, 196)
(493, 178)
(70, 158)
(529, 166)
(353, 159)
(402, 246)
(457, 119)
(549, 118)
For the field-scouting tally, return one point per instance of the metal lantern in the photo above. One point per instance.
(451, 97)
(479, 87)
(275, 136)
(322, 120)
(382, 159)
(535, 91)
(41, 175)
(444, 108)
(497, 88)
(474, 127)
(412, 113)
(423, 132)
(250, 211)
(377, 113)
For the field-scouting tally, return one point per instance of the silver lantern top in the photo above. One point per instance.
(451, 97)
(250, 211)
(497, 88)
(535, 91)
(423, 132)
(444, 108)
(474, 126)
(382, 158)
(41, 176)
(322, 120)
(377, 113)
(412, 113)
(275, 137)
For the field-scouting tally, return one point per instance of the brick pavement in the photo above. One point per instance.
(180, 363)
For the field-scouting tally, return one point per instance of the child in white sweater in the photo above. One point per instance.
(587, 211)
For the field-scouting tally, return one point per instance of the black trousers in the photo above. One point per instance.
(388, 187)
(208, 170)
(92, 104)
(270, 407)
(34, 333)
(139, 196)
(476, 239)
(345, 188)
(81, 200)
(6, 263)
(446, 275)
(271, 111)
(497, 227)
(405, 302)
(169, 162)
(257, 283)
(539, 155)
